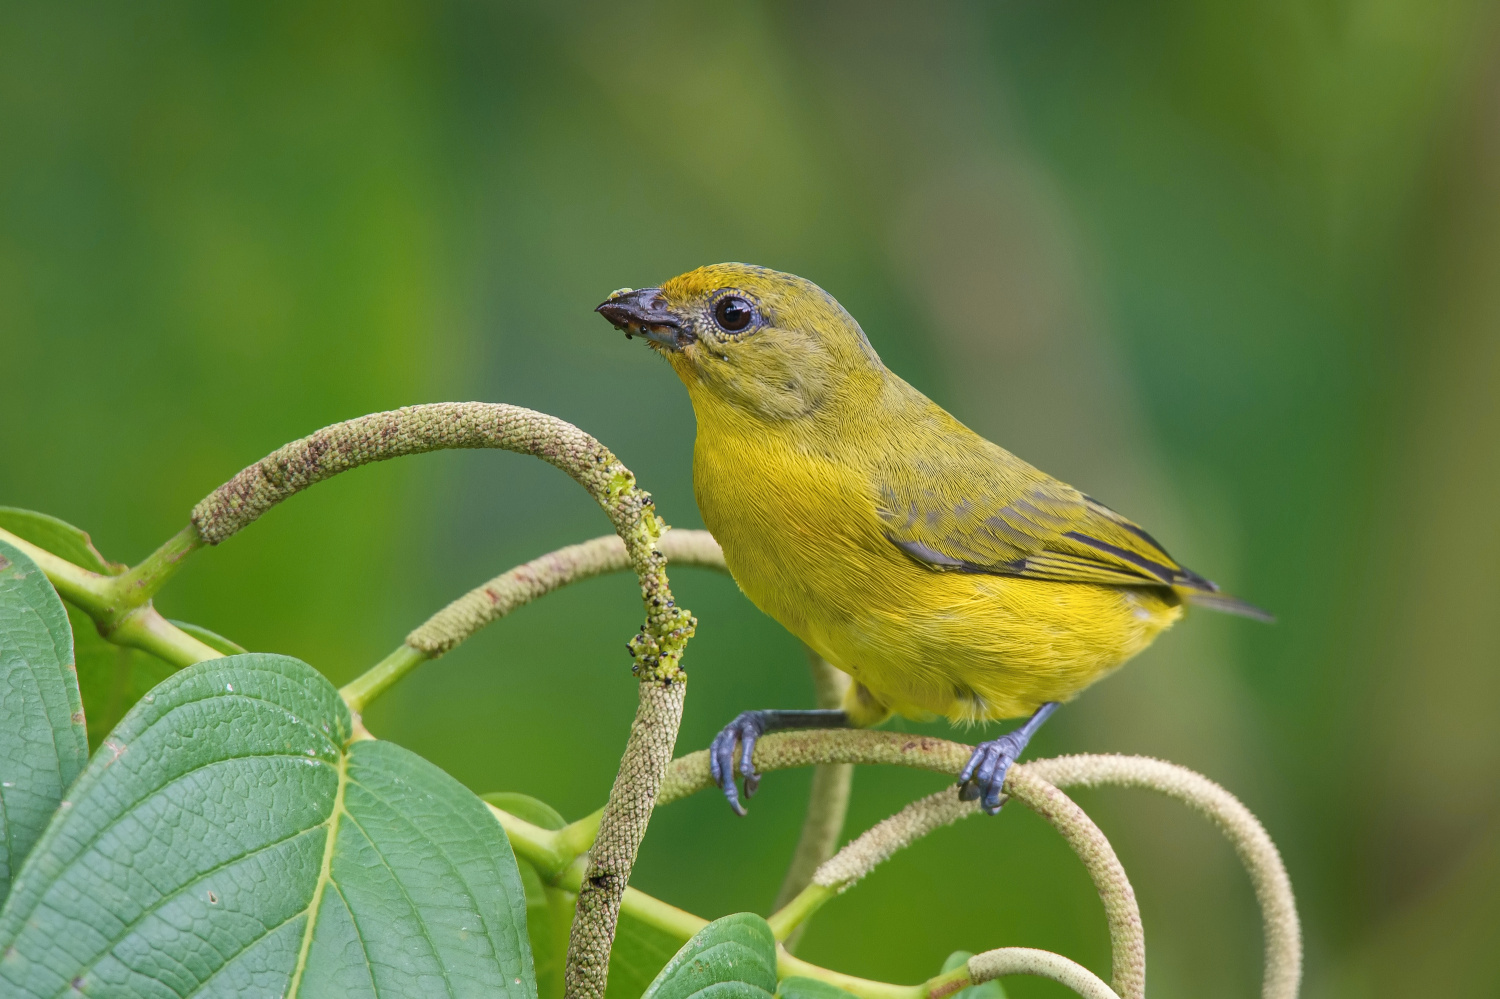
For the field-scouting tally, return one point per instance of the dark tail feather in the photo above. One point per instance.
(1225, 603)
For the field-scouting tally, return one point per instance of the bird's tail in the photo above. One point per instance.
(1215, 600)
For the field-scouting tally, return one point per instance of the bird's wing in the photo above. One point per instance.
(983, 510)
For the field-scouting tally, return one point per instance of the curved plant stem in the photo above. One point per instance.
(360, 691)
(142, 582)
(689, 774)
(943, 808)
(657, 649)
(631, 799)
(1273, 889)
(1042, 963)
(807, 747)
(787, 965)
(1127, 938)
(515, 588)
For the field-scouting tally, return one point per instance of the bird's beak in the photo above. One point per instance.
(645, 312)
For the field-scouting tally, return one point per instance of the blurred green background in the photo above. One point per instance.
(1232, 267)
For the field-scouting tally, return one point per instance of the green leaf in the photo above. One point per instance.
(58, 537)
(733, 958)
(42, 742)
(798, 987)
(524, 806)
(640, 952)
(111, 677)
(991, 989)
(213, 640)
(229, 838)
(549, 910)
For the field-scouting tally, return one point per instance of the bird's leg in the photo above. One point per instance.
(745, 729)
(984, 774)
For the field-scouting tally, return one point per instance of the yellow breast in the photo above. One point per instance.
(803, 540)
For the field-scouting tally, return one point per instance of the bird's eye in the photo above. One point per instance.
(733, 313)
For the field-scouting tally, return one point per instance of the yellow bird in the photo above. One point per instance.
(941, 572)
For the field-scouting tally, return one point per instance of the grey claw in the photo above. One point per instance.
(744, 730)
(984, 775)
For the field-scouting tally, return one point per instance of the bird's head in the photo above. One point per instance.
(768, 344)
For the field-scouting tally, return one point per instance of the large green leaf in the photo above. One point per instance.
(640, 952)
(112, 677)
(42, 741)
(230, 839)
(797, 987)
(549, 910)
(58, 537)
(730, 958)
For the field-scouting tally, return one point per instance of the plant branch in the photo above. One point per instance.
(1262, 861)
(631, 799)
(363, 689)
(943, 808)
(141, 583)
(788, 965)
(807, 747)
(782, 750)
(1127, 939)
(517, 587)
(994, 964)
(123, 622)
(514, 588)
(558, 859)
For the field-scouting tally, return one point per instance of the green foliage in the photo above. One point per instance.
(112, 677)
(549, 910)
(42, 741)
(641, 951)
(229, 836)
(214, 641)
(58, 537)
(641, 948)
(799, 987)
(731, 958)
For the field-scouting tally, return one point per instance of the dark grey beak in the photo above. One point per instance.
(645, 312)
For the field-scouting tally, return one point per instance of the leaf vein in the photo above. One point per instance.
(426, 933)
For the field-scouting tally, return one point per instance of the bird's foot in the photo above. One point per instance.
(747, 727)
(983, 777)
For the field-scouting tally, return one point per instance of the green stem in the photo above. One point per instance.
(145, 629)
(537, 846)
(784, 921)
(380, 677)
(576, 838)
(948, 982)
(552, 852)
(141, 583)
(75, 584)
(136, 625)
(788, 966)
